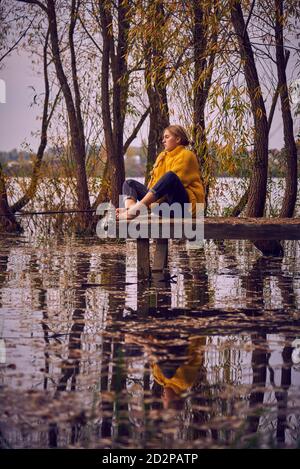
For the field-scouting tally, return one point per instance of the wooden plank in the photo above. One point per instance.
(143, 258)
(252, 228)
(160, 255)
(229, 228)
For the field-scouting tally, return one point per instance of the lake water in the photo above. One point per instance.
(204, 356)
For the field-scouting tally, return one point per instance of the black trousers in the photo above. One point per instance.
(168, 186)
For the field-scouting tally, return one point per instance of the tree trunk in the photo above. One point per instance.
(290, 194)
(156, 83)
(200, 93)
(120, 96)
(244, 199)
(8, 222)
(113, 134)
(159, 119)
(105, 95)
(203, 70)
(74, 116)
(258, 180)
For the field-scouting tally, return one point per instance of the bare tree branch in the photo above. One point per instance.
(276, 94)
(35, 2)
(90, 36)
(17, 42)
(136, 130)
(249, 16)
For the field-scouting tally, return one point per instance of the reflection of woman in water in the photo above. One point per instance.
(177, 382)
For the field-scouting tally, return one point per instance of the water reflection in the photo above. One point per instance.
(70, 367)
(199, 357)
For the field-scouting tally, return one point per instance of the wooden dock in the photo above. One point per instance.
(217, 228)
(252, 228)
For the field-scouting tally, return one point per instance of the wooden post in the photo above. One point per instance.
(143, 258)
(160, 255)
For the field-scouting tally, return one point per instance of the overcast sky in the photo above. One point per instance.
(18, 119)
(17, 116)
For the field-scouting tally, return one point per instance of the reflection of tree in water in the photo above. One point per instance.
(194, 416)
(260, 363)
(197, 423)
(70, 367)
(4, 257)
(194, 268)
(200, 401)
(37, 282)
(282, 395)
(259, 368)
(182, 371)
(264, 268)
(190, 416)
(3, 269)
(113, 372)
(3, 277)
(197, 295)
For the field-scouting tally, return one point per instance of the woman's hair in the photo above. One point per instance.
(179, 132)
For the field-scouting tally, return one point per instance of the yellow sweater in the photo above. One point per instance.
(184, 163)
